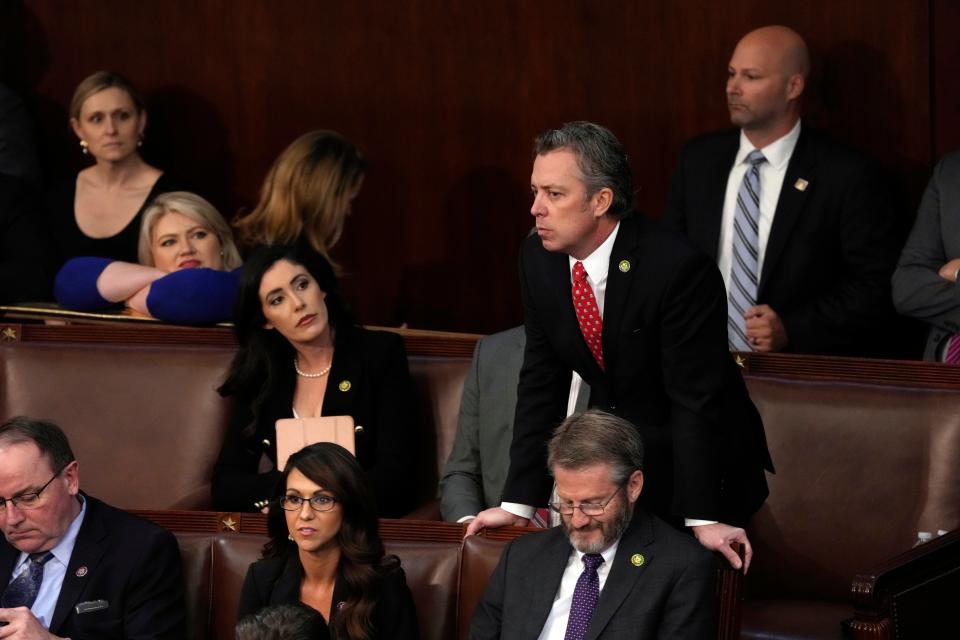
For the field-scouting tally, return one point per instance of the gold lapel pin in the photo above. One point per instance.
(624, 266)
(637, 559)
(344, 385)
(800, 184)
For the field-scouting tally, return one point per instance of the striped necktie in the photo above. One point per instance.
(22, 590)
(744, 274)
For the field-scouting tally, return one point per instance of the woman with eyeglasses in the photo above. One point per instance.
(325, 551)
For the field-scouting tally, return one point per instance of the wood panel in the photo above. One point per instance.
(445, 96)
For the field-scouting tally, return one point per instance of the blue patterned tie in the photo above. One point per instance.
(24, 589)
(744, 274)
(585, 596)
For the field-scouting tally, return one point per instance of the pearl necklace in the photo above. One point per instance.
(320, 374)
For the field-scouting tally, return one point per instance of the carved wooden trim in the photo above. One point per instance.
(871, 629)
(904, 373)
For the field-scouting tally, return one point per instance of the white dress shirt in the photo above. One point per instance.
(556, 625)
(772, 173)
(597, 266)
(54, 571)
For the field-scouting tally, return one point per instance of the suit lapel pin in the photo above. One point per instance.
(624, 266)
(637, 559)
(81, 571)
(800, 184)
(344, 385)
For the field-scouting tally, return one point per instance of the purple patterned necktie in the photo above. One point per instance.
(585, 597)
(22, 592)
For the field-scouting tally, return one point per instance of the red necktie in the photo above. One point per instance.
(588, 313)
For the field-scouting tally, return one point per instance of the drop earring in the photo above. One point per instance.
(84, 147)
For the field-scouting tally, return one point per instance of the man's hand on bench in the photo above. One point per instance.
(720, 537)
(494, 519)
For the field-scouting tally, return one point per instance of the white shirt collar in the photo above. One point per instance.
(777, 152)
(608, 554)
(597, 264)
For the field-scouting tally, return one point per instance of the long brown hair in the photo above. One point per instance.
(362, 557)
(306, 194)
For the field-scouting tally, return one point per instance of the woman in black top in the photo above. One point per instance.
(98, 213)
(302, 355)
(325, 551)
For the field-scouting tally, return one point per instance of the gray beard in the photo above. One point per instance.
(612, 532)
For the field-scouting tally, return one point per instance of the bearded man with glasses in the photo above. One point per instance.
(70, 565)
(611, 570)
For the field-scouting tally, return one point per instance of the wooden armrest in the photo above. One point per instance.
(912, 595)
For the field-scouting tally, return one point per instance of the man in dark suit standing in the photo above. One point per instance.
(801, 227)
(70, 565)
(611, 570)
(639, 315)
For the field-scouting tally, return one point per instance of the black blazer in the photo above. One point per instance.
(661, 585)
(132, 564)
(370, 381)
(26, 249)
(276, 580)
(832, 248)
(668, 372)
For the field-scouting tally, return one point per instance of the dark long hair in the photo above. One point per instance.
(263, 360)
(362, 557)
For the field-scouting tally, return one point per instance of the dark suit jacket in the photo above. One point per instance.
(670, 595)
(132, 564)
(26, 249)
(276, 580)
(918, 289)
(832, 246)
(668, 372)
(379, 397)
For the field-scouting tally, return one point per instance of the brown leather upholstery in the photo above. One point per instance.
(439, 382)
(196, 558)
(145, 422)
(433, 574)
(480, 558)
(232, 555)
(860, 469)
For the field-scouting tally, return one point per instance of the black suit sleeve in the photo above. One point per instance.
(856, 300)
(690, 610)
(252, 596)
(154, 595)
(26, 252)
(396, 613)
(393, 407)
(236, 483)
(695, 364)
(542, 395)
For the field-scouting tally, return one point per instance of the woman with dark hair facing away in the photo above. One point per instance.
(98, 213)
(294, 621)
(306, 195)
(302, 355)
(325, 551)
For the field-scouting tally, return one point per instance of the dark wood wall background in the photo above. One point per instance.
(445, 97)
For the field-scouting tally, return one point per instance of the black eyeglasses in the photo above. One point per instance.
(592, 509)
(31, 499)
(317, 503)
